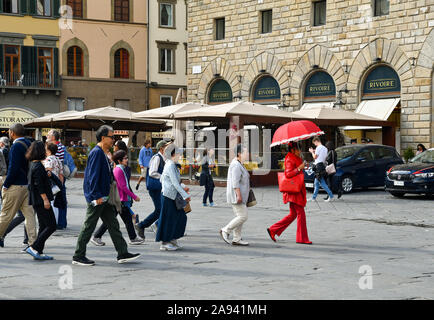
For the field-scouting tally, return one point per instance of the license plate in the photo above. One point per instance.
(309, 185)
(398, 183)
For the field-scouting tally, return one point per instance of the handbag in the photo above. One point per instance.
(251, 200)
(182, 204)
(291, 185)
(331, 169)
(114, 199)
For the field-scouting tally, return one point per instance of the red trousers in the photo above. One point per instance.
(295, 211)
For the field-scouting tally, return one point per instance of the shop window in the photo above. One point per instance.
(122, 64)
(77, 7)
(75, 104)
(266, 21)
(10, 6)
(319, 13)
(75, 61)
(167, 15)
(122, 10)
(166, 60)
(219, 28)
(381, 7)
(165, 101)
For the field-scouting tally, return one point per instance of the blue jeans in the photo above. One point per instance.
(323, 185)
(155, 215)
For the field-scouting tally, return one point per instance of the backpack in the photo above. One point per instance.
(69, 168)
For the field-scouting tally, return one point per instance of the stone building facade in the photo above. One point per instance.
(351, 41)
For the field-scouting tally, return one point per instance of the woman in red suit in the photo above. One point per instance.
(293, 165)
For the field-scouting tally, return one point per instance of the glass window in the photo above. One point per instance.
(366, 154)
(319, 9)
(75, 104)
(77, 7)
(10, 6)
(12, 64)
(220, 29)
(166, 60)
(165, 101)
(43, 8)
(346, 152)
(424, 157)
(166, 15)
(267, 21)
(381, 7)
(385, 153)
(75, 61)
(45, 66)
(122, 64)
(122, 10)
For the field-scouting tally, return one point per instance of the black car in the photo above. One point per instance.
(360, 166)
(415, 177)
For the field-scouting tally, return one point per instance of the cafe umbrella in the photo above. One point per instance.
(295, 131)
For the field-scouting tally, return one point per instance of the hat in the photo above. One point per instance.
(162, 144)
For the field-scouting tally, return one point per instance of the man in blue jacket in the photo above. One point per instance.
(14, 192)
(98, 177)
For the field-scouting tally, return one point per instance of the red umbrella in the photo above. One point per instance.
(295, 131)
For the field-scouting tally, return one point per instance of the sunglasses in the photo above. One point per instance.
(111, 137)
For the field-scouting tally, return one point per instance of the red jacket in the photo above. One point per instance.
(291, 164)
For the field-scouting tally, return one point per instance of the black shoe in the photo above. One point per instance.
(82, 261)
(137, 186)
(326, 198)
(128, 257)
(2, 242)
(140, 231)
(339, 194)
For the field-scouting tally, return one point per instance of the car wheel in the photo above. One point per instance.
(398, 194)
(347, 184)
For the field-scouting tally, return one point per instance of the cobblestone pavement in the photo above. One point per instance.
(393, 237)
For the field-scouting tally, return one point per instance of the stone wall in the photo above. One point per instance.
(346, 47)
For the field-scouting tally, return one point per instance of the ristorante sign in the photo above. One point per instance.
(382, 81)
(11, 115)
(320, 86)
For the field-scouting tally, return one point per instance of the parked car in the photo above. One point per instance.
(415, 177)
(359, 166)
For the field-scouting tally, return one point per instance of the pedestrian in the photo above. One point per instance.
(54, 137)
(320, 156)
(206, 179)
(332, 157)
(4, 159)
(420, 148)
(153, 184)
(40, 196)
(120, 158)
(145, 156)
(98, 178)
(172, 221)
(14, 191)
(294, 165)
(237, 193)
(53, 165)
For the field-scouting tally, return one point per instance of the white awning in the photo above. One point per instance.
(378, 108)
(314, 105)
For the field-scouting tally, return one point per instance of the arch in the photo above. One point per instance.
(270, 90)
(323, 89)
(122, 45)
(381, 51)
(263, 64)
(317, 58)
(218, 68)
(426, 55)
(225, 94)
(75, 42)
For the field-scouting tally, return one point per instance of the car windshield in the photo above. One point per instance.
(425, 157)
(347, 152)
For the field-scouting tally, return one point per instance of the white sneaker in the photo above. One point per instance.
(225, 236)
(167, 246)
(136, 241)
(154, 228)
(176, 244)
(311, 199)
(97, 241)
(240, 243)
(329, 199)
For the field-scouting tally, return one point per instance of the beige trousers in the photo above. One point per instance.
(236, 224)
(17, 198)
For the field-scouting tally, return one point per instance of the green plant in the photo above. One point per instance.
(92, 145)
(408, 154)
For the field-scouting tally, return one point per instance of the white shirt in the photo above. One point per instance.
(154, 163)
(321, 153)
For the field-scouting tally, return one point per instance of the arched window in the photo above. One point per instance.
(122, 64)
(75, 61)
(220, 92)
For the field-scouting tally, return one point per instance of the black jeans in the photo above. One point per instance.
(16, 222)
(47, 226)
(128, 221)
(329, 183)
(209, 191)
(154, 216)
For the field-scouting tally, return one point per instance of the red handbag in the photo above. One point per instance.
(291, 185)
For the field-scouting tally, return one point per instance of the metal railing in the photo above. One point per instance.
(30, 80)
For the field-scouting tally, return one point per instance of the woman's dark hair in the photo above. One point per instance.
(118, 156)
(205, 152)
(52, 147)
(121, 145)
(330, 145)
(103, 131)
(239, 149)
(422, 146)
(36, 151)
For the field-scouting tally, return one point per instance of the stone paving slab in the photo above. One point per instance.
(394, 237)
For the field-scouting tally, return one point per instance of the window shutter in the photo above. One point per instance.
(32, 7)
(1, 6)
(56, 67)
(1, 59)
(23, 6)
(29, 65)
(56, 7)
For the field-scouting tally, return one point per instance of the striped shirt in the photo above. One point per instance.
(60, 154)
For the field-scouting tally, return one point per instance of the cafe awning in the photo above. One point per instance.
(168, 112)
(314, 105)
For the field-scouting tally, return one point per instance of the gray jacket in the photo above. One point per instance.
(238, 177)
(171, 181)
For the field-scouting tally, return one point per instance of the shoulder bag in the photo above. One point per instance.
(251, 200)
(114, 198)
(291, 185)
(331, 169)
